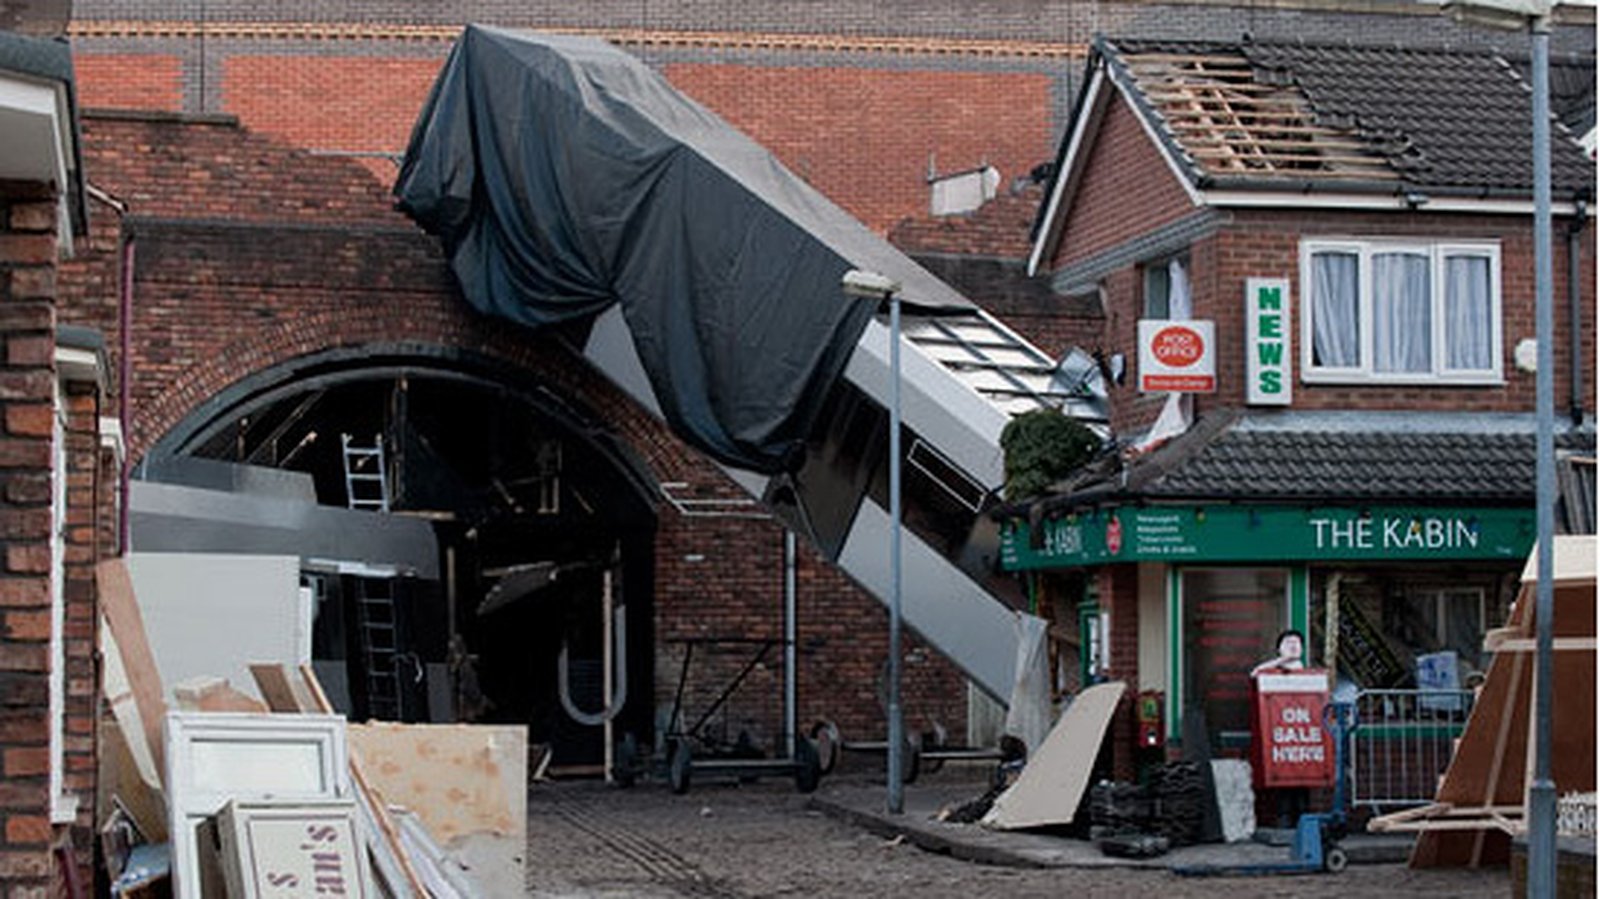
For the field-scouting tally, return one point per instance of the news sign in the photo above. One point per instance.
(1177, 356)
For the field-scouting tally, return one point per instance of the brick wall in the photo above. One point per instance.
(1127, 189)
(1267, 244)
(129, 80)
(217, 299)
(27, 390)
(1118, 589)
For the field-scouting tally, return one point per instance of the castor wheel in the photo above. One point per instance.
(1335, 860)
(828, 745)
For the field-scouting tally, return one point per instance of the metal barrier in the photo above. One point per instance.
(1402, 743)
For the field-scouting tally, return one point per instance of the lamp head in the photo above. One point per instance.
(1514, 15)
(870, 285)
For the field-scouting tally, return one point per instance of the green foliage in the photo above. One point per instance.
(1042, 447)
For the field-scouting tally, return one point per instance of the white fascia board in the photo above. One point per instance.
(1051, 232)
(36, 138)
(1300, 200)
(111, 437)
(78, 364)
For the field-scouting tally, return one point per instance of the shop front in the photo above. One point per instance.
(1392, 595)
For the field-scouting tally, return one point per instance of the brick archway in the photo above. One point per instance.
(611, 437)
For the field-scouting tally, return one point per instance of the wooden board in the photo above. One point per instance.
(1050, 787)
(1491, 762)
(284, 689)
(121, 611)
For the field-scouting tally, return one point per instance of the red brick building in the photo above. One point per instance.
(1350, 231)
(52, 470)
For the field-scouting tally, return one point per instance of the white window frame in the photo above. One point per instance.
(1442, 597)
(1437, 252)
(63, 805)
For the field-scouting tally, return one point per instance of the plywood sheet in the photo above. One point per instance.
(1050, 787)
(1491, 762)
(459, 779)
(209, 615)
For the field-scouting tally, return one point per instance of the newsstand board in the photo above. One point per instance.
(1289, 747)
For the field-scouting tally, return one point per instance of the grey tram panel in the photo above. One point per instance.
(955, 402)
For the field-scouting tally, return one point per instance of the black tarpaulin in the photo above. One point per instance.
(564, 175)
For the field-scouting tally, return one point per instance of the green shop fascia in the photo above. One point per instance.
(1293, 536)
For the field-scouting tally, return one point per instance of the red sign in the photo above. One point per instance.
(1177, 346)
(1177, 356)
(1114, 535)
(1289, 747)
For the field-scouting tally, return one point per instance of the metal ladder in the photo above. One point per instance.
(365, 482)
(380, 649)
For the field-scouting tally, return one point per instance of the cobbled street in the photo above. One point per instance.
(728, 841)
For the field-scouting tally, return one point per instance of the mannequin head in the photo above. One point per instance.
(1291, 645)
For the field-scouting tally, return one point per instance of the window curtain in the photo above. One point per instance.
(1402, 301)
(1468, 321)
(1335, 335)
(1179, 307)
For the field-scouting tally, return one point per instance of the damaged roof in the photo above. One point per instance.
(1431, 118)
(1399, 126)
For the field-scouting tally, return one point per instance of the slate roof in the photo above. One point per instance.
(1380, 458)
(1374, 466)
(1359, 118)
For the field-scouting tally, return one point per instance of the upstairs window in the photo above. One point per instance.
(1400, 312)
(1166, 288)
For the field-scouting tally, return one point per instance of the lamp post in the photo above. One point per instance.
(1535, 16)
(880, 288)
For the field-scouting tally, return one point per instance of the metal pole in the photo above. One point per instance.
(1542, 792)
(896, 739)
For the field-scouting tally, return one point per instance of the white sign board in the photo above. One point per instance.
(1266, 342)
(1177, 356)
(285, 851)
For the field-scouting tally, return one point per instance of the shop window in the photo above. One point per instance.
(1231, 621)
(1387, 623)
(1403, 313)
(1451, 619)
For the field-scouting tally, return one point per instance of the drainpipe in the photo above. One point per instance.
(791, 722)
(124, 388)
(1575, 309)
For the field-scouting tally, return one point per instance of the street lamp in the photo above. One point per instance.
(879, 288)
(1535, 16)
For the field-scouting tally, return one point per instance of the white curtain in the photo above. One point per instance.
(1468, 322)
(1335, 336)
(1402, 319)
(1179, 306)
